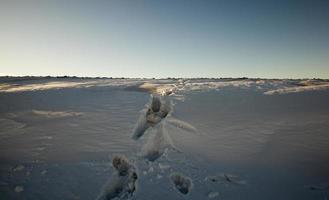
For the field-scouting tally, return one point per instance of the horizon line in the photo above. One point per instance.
(153, 78)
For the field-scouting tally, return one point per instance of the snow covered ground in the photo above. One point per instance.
(71, 138)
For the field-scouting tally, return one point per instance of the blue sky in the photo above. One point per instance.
(181, 38)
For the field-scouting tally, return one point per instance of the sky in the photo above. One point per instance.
(167, 38)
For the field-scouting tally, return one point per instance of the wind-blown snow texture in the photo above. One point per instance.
(74, 138)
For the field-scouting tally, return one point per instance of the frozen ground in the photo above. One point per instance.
(164, 139)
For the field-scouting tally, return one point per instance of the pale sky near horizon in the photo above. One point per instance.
(183, 38)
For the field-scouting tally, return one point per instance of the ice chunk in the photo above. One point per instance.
(19, 189)
(18, 168)
(212, 195)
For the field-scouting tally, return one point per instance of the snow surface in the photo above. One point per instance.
(151, 139)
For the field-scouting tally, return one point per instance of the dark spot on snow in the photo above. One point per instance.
(157, 110)
(121, 164)
(156, 104)
(182, 183)
(122, 184)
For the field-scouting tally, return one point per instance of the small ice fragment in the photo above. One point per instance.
(45, 137)
(151, 169)
(44, 172)
(163, 167)
(212, 195)
(40, 148)
(19, 189)
(18, 168)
